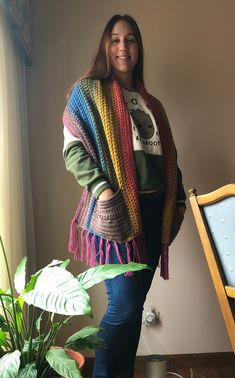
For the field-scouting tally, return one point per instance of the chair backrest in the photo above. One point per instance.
(214, 214)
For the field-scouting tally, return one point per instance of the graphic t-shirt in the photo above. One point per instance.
(146, 144)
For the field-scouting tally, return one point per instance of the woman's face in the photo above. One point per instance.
(123, 50)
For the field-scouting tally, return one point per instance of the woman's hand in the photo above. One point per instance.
(106, 194)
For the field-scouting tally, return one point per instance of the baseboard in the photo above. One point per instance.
(183, 361)
(197, 360)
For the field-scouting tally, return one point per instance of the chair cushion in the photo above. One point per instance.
(220, 217)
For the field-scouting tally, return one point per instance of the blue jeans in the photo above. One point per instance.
(126, 296)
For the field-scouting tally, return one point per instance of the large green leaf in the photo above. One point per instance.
(33, 279)
(90, 342)
(29, 371)
(100, 273)
(84, 332)
(32, 282)
(63, 364)
(85, 339)
(9, 365)
(20, 273)
(58, 291)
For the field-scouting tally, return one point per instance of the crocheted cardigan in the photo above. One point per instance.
(97, 115)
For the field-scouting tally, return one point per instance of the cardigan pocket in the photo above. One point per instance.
(110, 218)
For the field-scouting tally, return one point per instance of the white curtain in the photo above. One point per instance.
(16, 220)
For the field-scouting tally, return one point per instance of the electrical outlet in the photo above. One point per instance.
(150, 317)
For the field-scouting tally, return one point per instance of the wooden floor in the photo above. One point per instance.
(206, 365)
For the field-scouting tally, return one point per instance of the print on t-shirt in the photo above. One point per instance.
(143, 123)
(146, 144)
(145, 132)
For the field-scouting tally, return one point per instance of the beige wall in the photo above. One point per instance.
(190, 66)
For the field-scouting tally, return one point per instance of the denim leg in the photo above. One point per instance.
(151, 211)
(122, 316)
(125, 365)
(126, 296)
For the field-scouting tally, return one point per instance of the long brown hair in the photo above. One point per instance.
(100, 68)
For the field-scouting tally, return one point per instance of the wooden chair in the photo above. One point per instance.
(214, 214)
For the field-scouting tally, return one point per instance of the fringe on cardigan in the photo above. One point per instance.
(95, 250)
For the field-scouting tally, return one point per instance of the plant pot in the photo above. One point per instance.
(77, 357)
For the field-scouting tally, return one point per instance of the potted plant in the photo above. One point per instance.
(30, 322)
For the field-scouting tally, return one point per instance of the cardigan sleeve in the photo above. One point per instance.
(79, 160)
(81, 164)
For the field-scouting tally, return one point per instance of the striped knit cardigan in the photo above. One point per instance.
(97, 115)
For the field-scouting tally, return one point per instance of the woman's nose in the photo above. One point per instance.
(123, 45)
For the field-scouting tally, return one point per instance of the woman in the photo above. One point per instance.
(119, 146)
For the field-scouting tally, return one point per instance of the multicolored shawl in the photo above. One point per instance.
(97, 115)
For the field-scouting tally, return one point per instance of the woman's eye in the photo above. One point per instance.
(114, 40)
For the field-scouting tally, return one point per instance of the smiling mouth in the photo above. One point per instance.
(123, 57)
